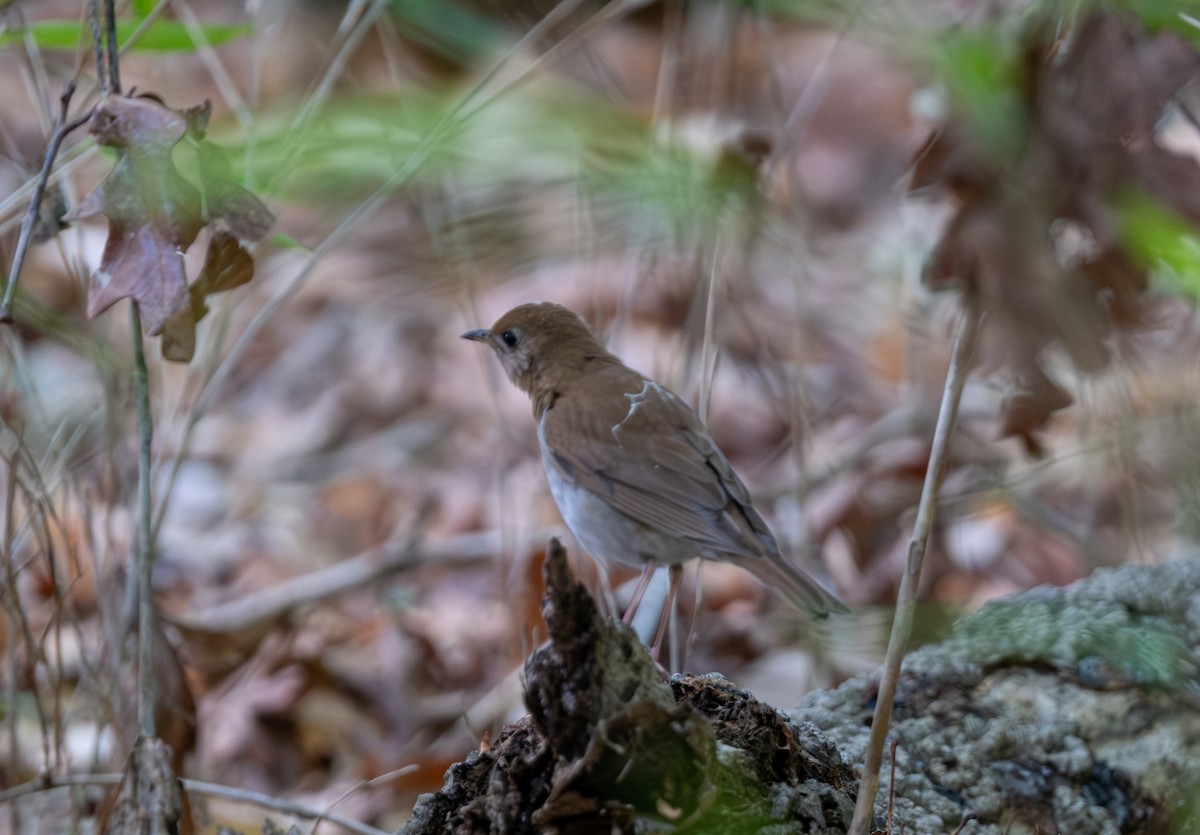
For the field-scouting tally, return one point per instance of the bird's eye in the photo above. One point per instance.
(509, 338)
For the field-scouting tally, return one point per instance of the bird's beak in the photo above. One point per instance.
(479, 335)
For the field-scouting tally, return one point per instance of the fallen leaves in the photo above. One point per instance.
(155, 214)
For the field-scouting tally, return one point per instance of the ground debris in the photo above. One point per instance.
(610, 747)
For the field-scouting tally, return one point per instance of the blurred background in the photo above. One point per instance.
(350, 509)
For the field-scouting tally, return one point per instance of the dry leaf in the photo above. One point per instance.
(1092, 110)
(154, 215)
(1030, 406)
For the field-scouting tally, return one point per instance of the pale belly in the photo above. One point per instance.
(605, 532)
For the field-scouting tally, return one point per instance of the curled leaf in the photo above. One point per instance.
(227, 264)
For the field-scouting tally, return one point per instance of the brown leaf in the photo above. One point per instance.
(1093, 102)
(226, 265)
(179, 337)
(141, 263)
(1000, 251)
(1121, 282)
(145, 187)
(140, 123)
(1028, 408)
(946, 158)
(153, 212)
(197, 118)
(1099, 108)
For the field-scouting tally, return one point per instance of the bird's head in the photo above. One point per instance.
(539, 344)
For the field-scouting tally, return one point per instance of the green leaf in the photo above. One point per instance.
(813, 11)
(288, 242)
(1178, 17)
(984, 79)
(444, 27)
(1161, 240)
(161, 36)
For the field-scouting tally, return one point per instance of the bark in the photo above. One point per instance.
(1058, 710)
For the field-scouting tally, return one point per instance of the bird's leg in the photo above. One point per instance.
(674, 575)
(639, 591)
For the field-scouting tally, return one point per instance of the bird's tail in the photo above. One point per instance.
(778, 573)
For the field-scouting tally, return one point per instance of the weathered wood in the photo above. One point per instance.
(1057, 710)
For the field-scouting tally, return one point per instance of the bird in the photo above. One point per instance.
(636, 475)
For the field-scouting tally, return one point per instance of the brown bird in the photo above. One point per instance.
(635, 474)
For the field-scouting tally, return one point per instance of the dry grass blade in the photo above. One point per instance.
(956, 377)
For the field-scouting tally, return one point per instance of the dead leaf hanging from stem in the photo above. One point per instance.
(155, 214)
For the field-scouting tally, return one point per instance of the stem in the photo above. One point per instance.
(104, 36)
(956, 375)
(144, 561)
(39, 190)
(98, 46)
(46, 783)
(113, 74)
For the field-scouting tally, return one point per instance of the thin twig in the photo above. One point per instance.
(39, 190)
(288, 807)
(98, 46)
(892, 783)
(964, 342)
(216, 70)
(113, 70)
(143, 563)
(337, 64)
(18, 629)
(145, 551)
(327, 812)
(347, 575)
(43, 783)
(970, 816)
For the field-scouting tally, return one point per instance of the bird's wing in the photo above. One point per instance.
(657, 465)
